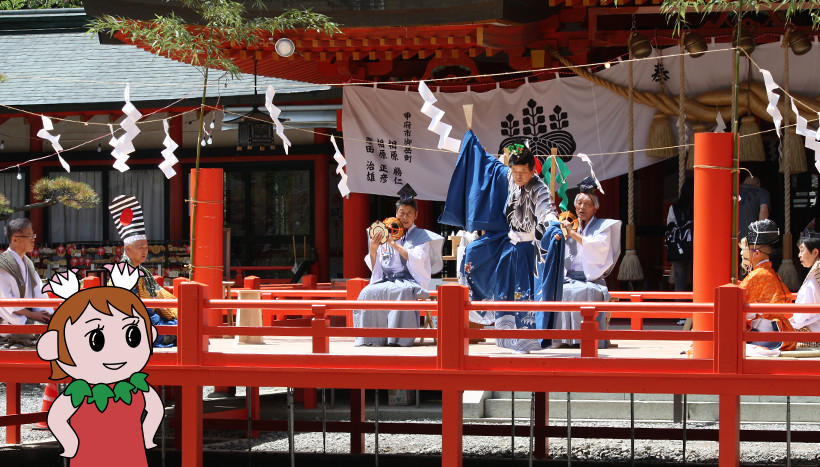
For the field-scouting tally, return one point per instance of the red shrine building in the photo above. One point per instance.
(281, 208)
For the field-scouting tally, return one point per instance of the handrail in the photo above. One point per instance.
(453, 368)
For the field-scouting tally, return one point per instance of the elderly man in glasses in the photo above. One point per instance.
(19, 279)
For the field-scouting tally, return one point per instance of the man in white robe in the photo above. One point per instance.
(19, 279)
(809, 254)
(402, 270)
(590, 255)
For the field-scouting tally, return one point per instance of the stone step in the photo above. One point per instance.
(578, 396)
(702, 411)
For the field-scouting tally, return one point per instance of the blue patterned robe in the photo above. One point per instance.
(518, 257)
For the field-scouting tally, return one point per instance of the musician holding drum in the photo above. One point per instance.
(592, 248)
(403, 258)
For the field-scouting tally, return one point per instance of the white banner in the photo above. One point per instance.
(387, 143)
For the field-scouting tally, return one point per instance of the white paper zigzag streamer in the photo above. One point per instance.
(721, 125)
(772, 109)
(340, 159)
(124, 145)
(169, 159)
(811, 136)
(54, 139)
(274, 115)
(586, 159)
(436, 125)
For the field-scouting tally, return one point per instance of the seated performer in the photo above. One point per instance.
(590, 255)
(762, 284)
(518, 257)
(401, 271)
(809, 246)
(127, 214)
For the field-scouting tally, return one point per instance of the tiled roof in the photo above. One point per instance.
(73, 68)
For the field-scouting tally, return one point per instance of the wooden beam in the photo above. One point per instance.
(537, 58)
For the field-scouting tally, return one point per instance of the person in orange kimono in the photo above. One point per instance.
(762, 284)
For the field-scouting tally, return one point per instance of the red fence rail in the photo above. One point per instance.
(453, 369)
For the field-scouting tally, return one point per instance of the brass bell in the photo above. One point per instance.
(639, 45)
(799, 42)
(746, 42)
(695, 44)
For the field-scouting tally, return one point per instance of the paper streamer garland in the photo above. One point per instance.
(124, 145)
(721, 125)
(54, 139)
(340, 159)
(586, 159)
(772, 109)
(169, 159)
(436, 125)
(274, 115)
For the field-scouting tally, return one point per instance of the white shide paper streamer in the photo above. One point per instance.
(124, 145)
(772, 109)
(274, 115)
(53, 139)
(169, 159)
(436, 125)
(340, 159)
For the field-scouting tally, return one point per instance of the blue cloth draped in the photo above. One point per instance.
(495, 268)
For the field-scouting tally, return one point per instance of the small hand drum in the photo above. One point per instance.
(394, 227)
(379, 226)
(568, 216)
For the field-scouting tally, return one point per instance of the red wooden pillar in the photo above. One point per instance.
(356, 421)
(453, 347)
(729, 323)
(176, 185)
(192, 343)
(354, 288)
(208, 253)
(713, 225)
(13, 405)
(356, 221)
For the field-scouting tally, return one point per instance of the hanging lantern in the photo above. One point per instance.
(746, 42)
(799, 42)
(639, 45)
(695, 44)
(255, 129)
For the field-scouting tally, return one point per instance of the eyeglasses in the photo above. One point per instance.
(32, 236)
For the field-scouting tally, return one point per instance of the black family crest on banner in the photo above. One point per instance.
(533, 128)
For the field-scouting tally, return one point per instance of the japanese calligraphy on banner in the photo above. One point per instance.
(570, 114)
(387, 143)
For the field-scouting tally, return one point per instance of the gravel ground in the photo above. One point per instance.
(600, 450)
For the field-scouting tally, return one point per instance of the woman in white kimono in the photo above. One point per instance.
(590, 255)
(809, 247)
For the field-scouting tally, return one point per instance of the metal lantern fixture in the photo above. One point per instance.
(799, 42)
(255, 128)
(639, 45)
(284, 47)
(695, 44)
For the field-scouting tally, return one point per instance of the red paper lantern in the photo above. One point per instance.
(60, 250)
(118, 251)
(82, 251)
(70, 250)
(35, 253)
(74, 261)
(87, 262)
(100, 251)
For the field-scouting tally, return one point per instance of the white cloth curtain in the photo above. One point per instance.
(15, 192)
(149, 188)
(77, 225)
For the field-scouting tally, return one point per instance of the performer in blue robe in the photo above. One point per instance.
(401, 271)
(520, 256)
(590, 255)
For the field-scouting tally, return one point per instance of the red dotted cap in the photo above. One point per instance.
(127, 216)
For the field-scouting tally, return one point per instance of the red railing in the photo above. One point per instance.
(452, 369)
